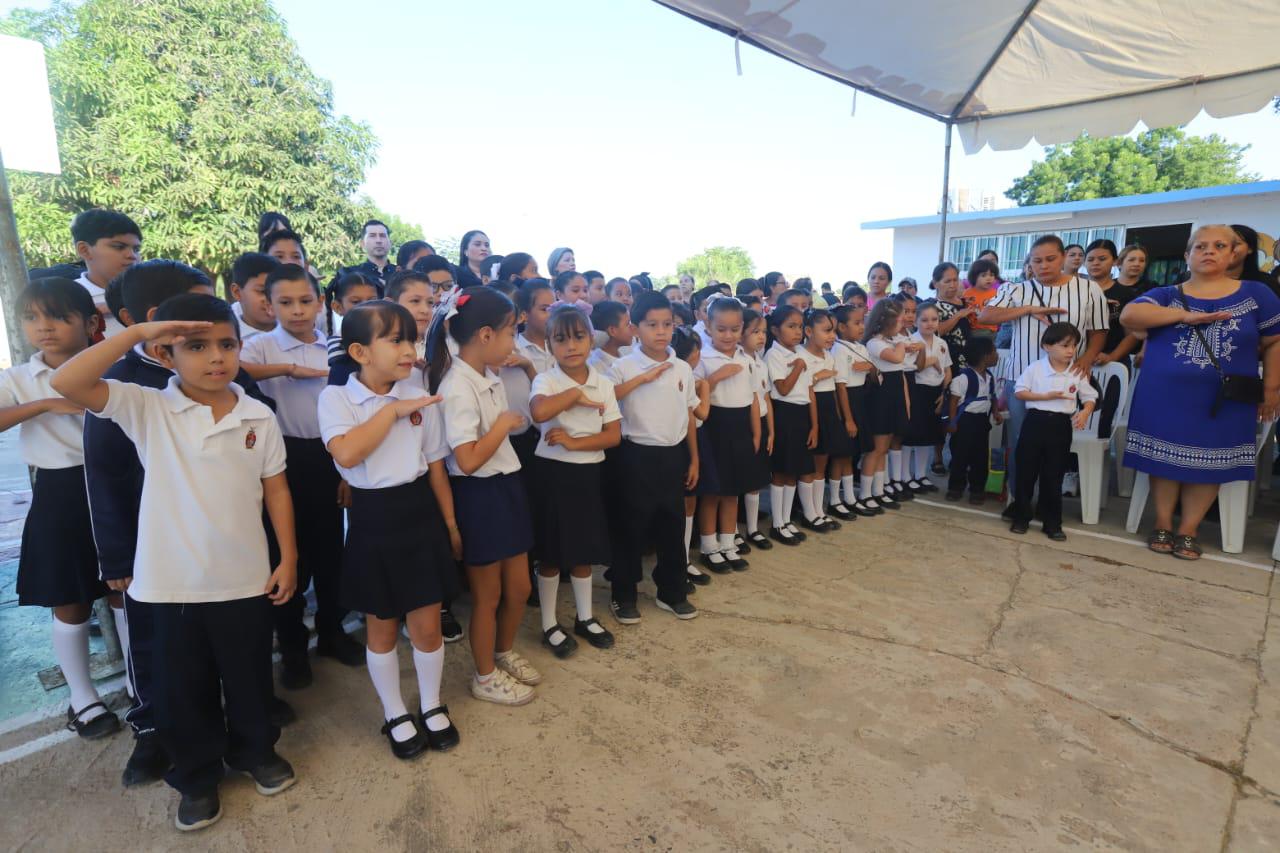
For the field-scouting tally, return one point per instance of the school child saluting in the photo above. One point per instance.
(794, 417)
(387, 440)
(579, 419)
(856, 373)
(213, 457)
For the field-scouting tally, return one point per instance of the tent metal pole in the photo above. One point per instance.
(946, 195)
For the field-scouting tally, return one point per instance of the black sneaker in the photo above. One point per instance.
(449, 627)
(563, 649)
(1056, 535)
(271, 776)
(625, 612)
(693, 576)
(148, 763)
(681, 609)
(106, 723)
(295, 670)
(601, 639)
(196, 811)
(954, 495)
(280, 712)
(1019, 527)
(341, 648)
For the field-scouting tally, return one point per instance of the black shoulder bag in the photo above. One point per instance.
(1237, 389)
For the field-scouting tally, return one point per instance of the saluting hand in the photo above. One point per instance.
(404, 408)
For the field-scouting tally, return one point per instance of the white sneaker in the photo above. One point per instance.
(1071, 484)
(501, 689)
(518, 668)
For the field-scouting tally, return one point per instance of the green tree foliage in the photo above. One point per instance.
(1156, 161)
(194, 117)
(723, 263)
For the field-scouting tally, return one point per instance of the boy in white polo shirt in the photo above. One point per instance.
(657, 461)
(213, 456)
(1049, 388)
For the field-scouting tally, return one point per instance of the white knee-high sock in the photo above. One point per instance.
(708, 544)
(384, 672)
(878, 483)
(868, 487)
(430, 669)
(751, 511)
(727, 546)
(806, 501)
(122, 631)
(895, 465)
(581, 597)
(833, 492)
(778, 506)
(850, 495)
(548, 592)
(924, 457)
(688, 534)
(71, 650)
(789, 500)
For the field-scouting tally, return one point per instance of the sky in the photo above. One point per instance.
(621, 129)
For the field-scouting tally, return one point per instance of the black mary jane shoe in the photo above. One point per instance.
(784, 538)
(106, 723)
(741, 545)
(927, 486)
(795, 532)
(758, 540)
(696, 577)
(866, 510)
(563, 649)
(600, 639)
(738, 564)
(831, 523)
(841, 511)
(405, 749)
(904, 493)
(888, 501)
(720, 567)
(818, 525)
(443, 740)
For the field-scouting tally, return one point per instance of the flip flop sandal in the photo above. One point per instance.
(1186, 548)
(1161, 541)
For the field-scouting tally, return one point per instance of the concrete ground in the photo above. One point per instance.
(921, 681)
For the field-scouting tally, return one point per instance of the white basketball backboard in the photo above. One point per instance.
(27, 138)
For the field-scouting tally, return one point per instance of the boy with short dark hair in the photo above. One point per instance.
(249, 295)
(656, 462)
(971, 395)
(213, 456)
(610, 320)
(109, 243)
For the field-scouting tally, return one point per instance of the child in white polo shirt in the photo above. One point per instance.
(657, 461)
(213, 456)
(579, 417)
(1050, 389)
(291, 365)
(387, 440)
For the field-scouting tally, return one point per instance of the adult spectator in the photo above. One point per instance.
(1185, 431)
(879, 277)
(908, 286)
(1132, 263)
(1048, 295)
(561, 260)
(1099, 260)
(686, 286)
(1244, 262)
(953, 313)
(412, 252)
(747, 287)
(774, 285)
(472, 269)
(1075, 259)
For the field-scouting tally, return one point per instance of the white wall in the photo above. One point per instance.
(915, 249)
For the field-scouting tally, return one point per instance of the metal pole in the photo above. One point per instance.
(13, 273)
(946, 196)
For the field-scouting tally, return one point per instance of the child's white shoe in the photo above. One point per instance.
(501, 689)
(517, 667)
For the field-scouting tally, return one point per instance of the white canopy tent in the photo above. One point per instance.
(1005, 72)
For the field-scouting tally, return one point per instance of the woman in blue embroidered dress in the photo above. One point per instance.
(1175, 435)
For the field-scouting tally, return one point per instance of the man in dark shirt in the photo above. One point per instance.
(375, 239)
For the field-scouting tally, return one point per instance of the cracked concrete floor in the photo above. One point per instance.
(922, 681)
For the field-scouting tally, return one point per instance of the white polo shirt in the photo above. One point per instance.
(909, 363)
(516, 382)
(578, 421)
(875, 349)
(200, 534)
(760, 382)
(778, 359)
(601, 361)
(981, 403)
(737, 391)
(246, 331)
(295, 398)
(656, 414)
(48, 440)
(845, 354)
(1040, 378)
(472, 403)
(110, 325)
(816, 363)
(412, 444)
(938, 349)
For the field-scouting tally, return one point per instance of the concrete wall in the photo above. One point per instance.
(915, 249)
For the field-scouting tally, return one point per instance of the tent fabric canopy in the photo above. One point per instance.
(1005, 72)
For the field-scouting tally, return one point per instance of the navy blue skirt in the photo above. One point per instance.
(569, 503)
(924, 427)
(493, 518)
(890, 409)
(758, 475)
(791, 455)
(833, 436)
(58, 563)
(861, 403)
(729, 436)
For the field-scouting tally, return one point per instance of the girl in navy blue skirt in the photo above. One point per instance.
(753, 342)
(794, 419)
(833, 435)
(58, 564)
(890, 401)
(492, 509)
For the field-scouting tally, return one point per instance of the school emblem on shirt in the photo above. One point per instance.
(250, 439)
(415, 418)
(680, 385)
(1071, 390)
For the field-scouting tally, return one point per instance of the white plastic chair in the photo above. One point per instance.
(1119, 434)
(1234, 501)
(1092, 450)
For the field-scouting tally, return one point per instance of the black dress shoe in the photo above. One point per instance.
(741, 545)
(1056, 535)
(888, 501)
(563, 649)
(295, 670)
(866, 510)
(196, 811)
(1019, 527)
(405, 749)
(103, 725)
(831, 523)
(818, 525)
(443, 740)
(738, 564)
(903, 493)
(601, 638)
(700, 579)
(148, 763)
(841, 511)
(795, 532)
(720, 566)
(280, 712)
(341, 648)
(784, 538)
(758, 540)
